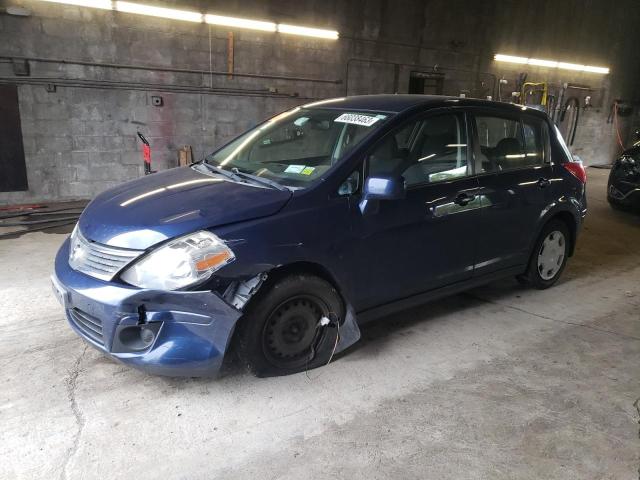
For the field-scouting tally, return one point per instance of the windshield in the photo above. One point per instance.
(298, 146)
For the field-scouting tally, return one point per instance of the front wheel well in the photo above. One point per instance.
(309, 268)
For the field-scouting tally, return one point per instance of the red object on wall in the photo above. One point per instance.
(146, 154)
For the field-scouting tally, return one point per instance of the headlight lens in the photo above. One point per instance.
(179, 263)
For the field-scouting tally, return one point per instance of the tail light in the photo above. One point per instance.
(577, 170)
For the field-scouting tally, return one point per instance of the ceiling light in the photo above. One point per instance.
(158, 11)
(104, 4)
(550, 64)
(307, 32)
(240, 23)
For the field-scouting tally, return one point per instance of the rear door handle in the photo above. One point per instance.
(543, 182)
(464, 198)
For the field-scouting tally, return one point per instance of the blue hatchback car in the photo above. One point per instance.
(322, 217)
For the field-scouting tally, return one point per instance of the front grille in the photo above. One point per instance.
(89, 325)
(98, 260)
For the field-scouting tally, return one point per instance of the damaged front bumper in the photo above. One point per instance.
(175, 333)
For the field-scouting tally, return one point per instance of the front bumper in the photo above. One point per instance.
(191, 330)
(624, 193)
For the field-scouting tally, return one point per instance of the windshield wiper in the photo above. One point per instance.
(229, 174)
(257, 179)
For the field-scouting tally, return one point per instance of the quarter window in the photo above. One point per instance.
(534, 141)
(428, 150)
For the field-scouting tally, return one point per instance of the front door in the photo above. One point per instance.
(425, 241)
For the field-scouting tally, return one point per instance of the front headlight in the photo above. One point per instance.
(179, 263)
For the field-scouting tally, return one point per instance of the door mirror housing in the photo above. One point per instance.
(381, 188)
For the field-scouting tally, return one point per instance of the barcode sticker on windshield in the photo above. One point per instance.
(357, 119)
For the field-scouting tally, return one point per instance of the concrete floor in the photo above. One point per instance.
(499, 383)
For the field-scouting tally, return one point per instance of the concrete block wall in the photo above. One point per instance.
(79, 140)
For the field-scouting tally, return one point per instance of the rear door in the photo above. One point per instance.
(426, 240)
(513, 161)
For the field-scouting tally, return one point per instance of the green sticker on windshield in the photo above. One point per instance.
(307, 170)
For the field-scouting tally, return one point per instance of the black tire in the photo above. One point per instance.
(616, 205)
(533, 277)
(280, 332)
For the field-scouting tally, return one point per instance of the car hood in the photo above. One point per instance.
(146, 211)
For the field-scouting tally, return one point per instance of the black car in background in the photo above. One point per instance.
(623, 188)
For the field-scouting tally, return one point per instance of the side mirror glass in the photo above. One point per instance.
(381, 188)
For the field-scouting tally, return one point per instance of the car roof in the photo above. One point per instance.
(398, 103)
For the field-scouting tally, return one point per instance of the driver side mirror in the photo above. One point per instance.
(381, 188)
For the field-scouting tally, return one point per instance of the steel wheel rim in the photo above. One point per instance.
(290, 331)
(551, 255)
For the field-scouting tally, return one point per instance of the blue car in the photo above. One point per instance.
(287, 238)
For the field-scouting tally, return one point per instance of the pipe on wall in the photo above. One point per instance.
(146, 87)
(124, 66)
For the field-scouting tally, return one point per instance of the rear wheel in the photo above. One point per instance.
(282, 331)
(549, 256)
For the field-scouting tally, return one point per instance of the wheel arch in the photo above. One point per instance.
(301, 267)
(569, 220)
(566, 216)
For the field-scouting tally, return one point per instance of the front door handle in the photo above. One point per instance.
(543, 182)
(464, 199)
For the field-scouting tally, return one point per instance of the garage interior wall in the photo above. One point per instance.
(79, 120)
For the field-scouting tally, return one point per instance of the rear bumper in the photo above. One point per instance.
(190, 331)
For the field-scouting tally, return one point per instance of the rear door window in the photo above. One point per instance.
(501, 144)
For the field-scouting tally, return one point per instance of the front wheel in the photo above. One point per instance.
(549, 256)
(285, 330)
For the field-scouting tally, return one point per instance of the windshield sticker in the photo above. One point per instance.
(294, 169)
(357, 119)
(307, 170)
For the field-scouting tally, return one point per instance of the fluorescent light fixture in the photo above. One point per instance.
(307, 31)
(158, 11)
(550, 64)
(603, 70)
(543, 63)
(570, 66)
(240, 23)
(197, 17)
(510, 59)
(104, 4)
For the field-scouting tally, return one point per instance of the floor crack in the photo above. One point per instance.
(637, 405)
(71, 383)
(567, 322)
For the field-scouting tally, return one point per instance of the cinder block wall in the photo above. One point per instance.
(81, 138)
